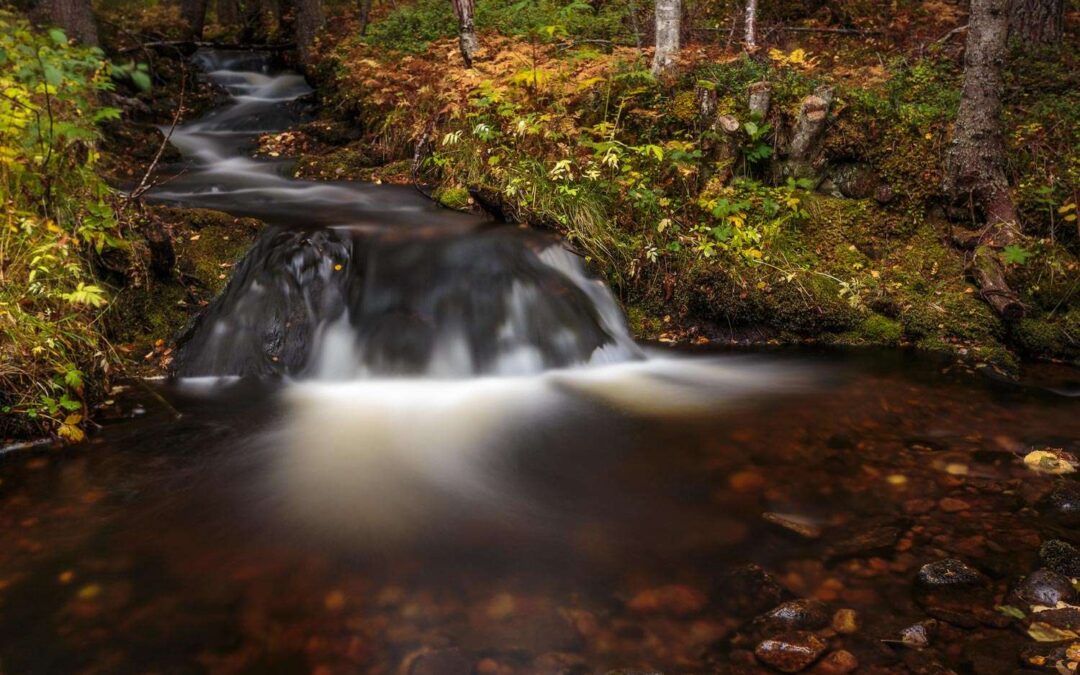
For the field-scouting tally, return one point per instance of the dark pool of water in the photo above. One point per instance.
(532, 522)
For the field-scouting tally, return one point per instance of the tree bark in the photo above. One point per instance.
(194, 14)
(464, 10)
(75, 17)
(309, 19)
(365, 15)
(228, 14)
(750, 35)
(668, 13)
(975, 162)
(1037, 21)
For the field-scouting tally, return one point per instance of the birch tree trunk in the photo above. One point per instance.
(466, 30)
(1037, 21)
(975, 163)
(75, 17)
(194, 14)
(750, 36)
(668, 13)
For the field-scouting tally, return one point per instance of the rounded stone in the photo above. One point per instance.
(804, 614)
(839, 662)
(949, 573)
(1063, 504)
(1044, 587)
(1062, 557)
(790, 652)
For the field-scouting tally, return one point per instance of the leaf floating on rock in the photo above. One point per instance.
(1051, 460)
(1044, 632)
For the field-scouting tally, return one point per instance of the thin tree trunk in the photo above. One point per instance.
(466, 30)
(194, 14)
(750, 35)
(309, 19)
(75, 17)
(975, 163)
(668, 13)
(1037, 21)
(365, 15)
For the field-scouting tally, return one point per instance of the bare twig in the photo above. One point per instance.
(841, 31)
(145, 183)
(954, 31)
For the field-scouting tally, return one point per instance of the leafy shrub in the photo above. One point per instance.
(57, 217)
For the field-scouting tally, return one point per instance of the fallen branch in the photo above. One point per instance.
(842, 31)
(196, 44)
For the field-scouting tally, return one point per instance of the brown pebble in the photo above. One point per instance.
(839, 662)
(676, 600)
(845, 621)
(746, 481)
(953, 505)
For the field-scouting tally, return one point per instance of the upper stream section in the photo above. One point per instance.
(354, 280)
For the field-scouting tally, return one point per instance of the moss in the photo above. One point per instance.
(881, 330)
(453, 197)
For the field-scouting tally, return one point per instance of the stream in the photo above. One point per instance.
(410, 440)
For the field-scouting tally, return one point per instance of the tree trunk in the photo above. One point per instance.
(228, 14)
(1037, 21)
(309, 19)
(194, 14)
(75, 17)
(668, 13)
(365, 15)
(750, 36)
(975, 162)
(466, 30)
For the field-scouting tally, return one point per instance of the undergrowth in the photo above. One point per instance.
(58, 218)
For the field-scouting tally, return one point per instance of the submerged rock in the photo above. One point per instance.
(949, 573)
(676, 600)
(749, 590)
(1062, 557)
(795, 615)
(1063, 504)
(839, 662)
(790, 652)
(1044, 587)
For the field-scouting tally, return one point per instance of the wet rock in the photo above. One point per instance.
(790, 652)
(675, 600)
(1063, 504)
(794, 615)
(845, 621)
(839, 662)
(919, 635)
(748, 591)
(868, 542)
(856, 181)
(793, 523)
(450, 661)
(1064, 618)
(949, 573)
(1043, 587)
(1062, 557)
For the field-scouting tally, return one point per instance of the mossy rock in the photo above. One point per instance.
(881, 330)
(453, 197)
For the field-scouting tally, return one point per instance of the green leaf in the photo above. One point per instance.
(141, 80)
(58, 36)
(1016, 255)
(53, 76)
(1010, 611)
(69, 404)
(105, 114)
(73, 378)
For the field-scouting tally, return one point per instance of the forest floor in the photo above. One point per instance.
(694, 208)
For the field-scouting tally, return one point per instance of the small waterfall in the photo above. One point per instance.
(354, 281)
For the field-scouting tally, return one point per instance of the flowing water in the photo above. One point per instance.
(407, 440)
